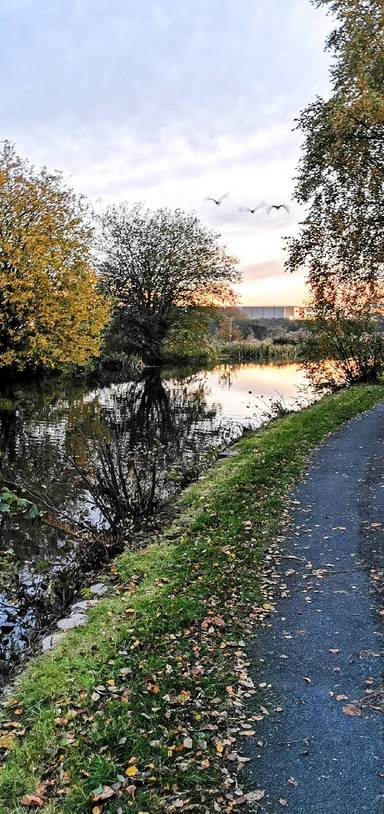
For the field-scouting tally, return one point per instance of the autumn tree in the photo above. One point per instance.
(156, 265)
(51, 314)
(345, 338)
(227, 329)
(341, 173)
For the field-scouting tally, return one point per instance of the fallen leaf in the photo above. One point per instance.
(32, 801)
(283, 802)
(125, 671)
(7, 741)
(132, 771)
(334, 650)
(341, 698)
(254, 796)
(352, 709)
(104, 794)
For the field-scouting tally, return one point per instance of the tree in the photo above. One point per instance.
(188, 337)
(345, 342)
(341, 173)
(51, 314)
(156, 265)
(227, 329)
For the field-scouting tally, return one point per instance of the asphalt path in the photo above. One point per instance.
(321, 652)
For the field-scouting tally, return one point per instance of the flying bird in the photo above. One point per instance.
(252, 209)
(277, 206)
(218, 201)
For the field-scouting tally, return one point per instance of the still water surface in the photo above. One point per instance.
(106, 457)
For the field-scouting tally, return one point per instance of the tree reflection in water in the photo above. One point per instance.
(158, 436)
(98, 462)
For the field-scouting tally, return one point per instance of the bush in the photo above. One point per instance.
(345, 344)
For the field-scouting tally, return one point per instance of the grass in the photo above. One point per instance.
(138, 701)
(261, 351)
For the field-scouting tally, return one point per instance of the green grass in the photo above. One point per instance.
(264, 350)
(153, 625)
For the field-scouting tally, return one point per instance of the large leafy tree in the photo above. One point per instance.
(341, 174)
(51, 314)
(157, 265)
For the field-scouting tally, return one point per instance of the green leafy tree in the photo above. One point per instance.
(51, 314)
(188, 337)
(158, 264)
(341, 173)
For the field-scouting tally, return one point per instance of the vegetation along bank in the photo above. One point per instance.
(138, 710)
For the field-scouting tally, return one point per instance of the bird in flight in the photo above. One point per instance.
(277, 206)
(218, 201)
(252, 209)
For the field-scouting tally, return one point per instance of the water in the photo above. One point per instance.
(99, 460)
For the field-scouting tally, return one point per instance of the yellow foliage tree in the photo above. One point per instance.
(51, 313)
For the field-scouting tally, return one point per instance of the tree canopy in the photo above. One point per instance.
(156, 264)
(51, 314)
(341, 173)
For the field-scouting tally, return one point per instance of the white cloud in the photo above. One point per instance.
(168, 101)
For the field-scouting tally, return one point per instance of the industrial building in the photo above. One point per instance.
(272, 311)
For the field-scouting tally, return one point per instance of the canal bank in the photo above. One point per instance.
(140, 709)
(101, 462)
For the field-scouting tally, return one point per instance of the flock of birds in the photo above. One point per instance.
(251, 209)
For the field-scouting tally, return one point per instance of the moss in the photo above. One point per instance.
(147, 638)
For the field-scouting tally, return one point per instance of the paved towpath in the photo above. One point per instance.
(320, 754)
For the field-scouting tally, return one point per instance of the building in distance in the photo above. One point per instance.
(272, 311)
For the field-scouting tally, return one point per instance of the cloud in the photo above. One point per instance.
(167, 101)
(260, 271)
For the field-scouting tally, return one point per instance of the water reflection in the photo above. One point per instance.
(244, 393)
(156, 437)
(100, 459)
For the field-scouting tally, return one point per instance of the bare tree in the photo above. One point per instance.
(155, 264)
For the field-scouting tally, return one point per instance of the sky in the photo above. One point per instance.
(170, 101)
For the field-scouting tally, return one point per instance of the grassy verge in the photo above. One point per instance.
(136, 705)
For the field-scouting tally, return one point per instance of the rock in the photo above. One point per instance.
(75, 620)
(98, 589)
(83, 605)
(51, 641)
(227, 453)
